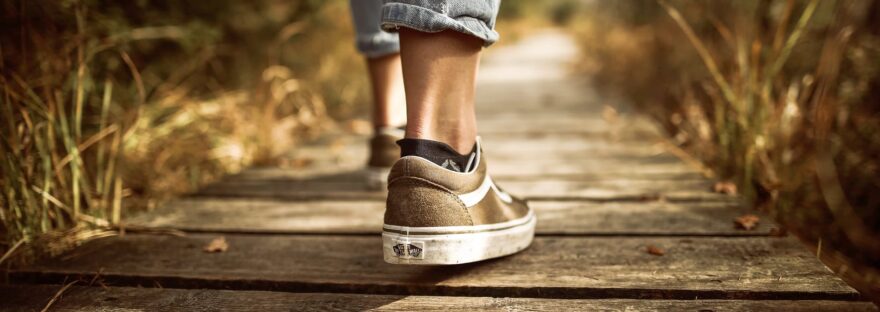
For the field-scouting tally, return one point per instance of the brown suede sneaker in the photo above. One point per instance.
(384, 152)
(437, 216)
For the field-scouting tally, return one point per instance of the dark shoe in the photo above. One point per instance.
(384, 152)
(437, 216)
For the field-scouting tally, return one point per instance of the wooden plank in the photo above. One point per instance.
(365, 217)
(352, 172)
(643, 218)
(507, 124)
(506, 160)
(351, 185)
(526, 99)
(606, 167)
(610, 167)
(34, 298)
(614, 189)
(556, 267)
(568, 155)
(561, 146)
(596, 178)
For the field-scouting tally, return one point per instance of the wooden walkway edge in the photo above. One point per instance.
(31, 298)
(308, 238)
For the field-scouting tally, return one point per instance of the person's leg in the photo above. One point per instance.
(389, 100)
(440, 49)
(442, 206)
(381, 50)
(439, 72)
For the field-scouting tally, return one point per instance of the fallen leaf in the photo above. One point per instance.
(725, 188)
(746, 222)
(654, 250)
(217, 245)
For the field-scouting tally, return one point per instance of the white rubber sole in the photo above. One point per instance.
(377, 178)
(456, 244)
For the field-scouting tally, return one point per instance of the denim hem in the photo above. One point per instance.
(379, 45)
(396, 15)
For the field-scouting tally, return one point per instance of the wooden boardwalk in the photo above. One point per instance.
(603, 189)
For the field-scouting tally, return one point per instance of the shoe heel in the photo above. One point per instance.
(446, 249)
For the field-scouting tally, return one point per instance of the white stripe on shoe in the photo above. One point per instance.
(455, 229)
(472, 198)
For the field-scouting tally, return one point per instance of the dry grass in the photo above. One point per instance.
(108, 108)
(778, 96)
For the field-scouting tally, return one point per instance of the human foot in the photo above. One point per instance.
(384, 152)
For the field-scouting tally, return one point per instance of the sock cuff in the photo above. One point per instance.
(439, 153)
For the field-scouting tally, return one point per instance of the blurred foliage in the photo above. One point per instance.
(539, 13)
(111, 106)
(779, 96)
(517, 18)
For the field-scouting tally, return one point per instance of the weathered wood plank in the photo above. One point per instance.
(360, 217)
(355, 172)
(327, 173)
(346, 166)
(501, 146)
(584, 168)
(350, 185)
(555, 123)
(34, 298)
(559, 267)
(556, 160)
(611, 167)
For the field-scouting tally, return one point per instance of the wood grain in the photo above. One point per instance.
(556, 267)
(34, 298)
(246, 215)
(350, 185)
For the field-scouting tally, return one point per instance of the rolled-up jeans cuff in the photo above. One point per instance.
(396, 15)
(378, 44)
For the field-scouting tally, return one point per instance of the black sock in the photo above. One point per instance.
(439, 153)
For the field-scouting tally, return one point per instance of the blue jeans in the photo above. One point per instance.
(371, 17)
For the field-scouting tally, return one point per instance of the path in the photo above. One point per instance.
(603, 192)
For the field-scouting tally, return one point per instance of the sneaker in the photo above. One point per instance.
(384, 152)
(438, 216)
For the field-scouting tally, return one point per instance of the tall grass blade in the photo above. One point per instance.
(70, 146)
(726, 90)
(99, 161)
(117, 201)
(802, 23)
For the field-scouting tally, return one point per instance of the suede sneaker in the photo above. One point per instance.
(384, 152)
(435, 215)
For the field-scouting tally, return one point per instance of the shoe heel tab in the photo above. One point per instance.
(401, 168)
